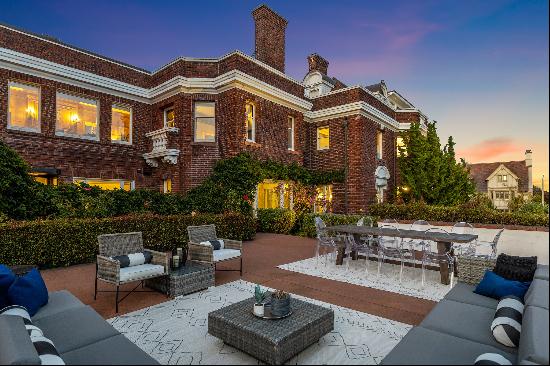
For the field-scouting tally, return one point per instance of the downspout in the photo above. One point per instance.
(346, 170)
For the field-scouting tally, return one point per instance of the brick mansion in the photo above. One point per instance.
(76, 116)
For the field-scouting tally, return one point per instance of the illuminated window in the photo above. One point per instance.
(44, 179)
(323, 201)
(401, 144)
(291, 133)
(379, 144)
(268, 195)
(250, 122)
(169, 117)
(167, 185)
(502, 178)
(77, 117)
(107, 184)
(121, 128)
(24, 107)
(323, 134)
(205, 121)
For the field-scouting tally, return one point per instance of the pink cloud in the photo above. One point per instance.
(491, 150)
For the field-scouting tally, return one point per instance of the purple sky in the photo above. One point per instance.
(480, 68)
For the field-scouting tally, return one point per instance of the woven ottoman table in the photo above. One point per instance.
(187, 279)
(271, 341)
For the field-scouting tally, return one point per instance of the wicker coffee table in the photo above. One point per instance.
(271, 341)
(182, 281)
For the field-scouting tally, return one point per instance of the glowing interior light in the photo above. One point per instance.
(87, 104)
(75, 118)
(31, 112)
(16, 88)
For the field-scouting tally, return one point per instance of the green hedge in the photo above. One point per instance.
(306, 225)
(479, 215)
(64, 242)
(276, 220)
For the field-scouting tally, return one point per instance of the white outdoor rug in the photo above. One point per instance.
(176, 332)
(388, 280)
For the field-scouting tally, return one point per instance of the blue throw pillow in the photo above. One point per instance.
(6, 279)
(492, 285)
(29, 291)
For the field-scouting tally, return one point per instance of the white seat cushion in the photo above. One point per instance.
(224, 254)
(140, 272)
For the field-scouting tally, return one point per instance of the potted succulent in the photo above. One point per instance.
(280, 303)
(259, 298)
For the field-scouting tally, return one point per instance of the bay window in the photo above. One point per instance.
(250, 122)
(121, 126)
(76, 117)
(24, 107)
(205, 121)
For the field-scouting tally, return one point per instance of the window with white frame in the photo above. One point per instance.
(323, 138)
(107, 184)
(379, 144)
(205, 121)
(121, 125)
(502, 178)
(169, 117)
(23, 107)
(77, 117)
(250, 122)
(291, 133)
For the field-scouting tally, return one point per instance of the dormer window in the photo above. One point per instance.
(502, 178)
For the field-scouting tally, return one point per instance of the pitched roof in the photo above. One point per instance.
(375, 88)
(481, 171)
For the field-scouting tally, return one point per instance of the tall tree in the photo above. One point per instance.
(430, 173)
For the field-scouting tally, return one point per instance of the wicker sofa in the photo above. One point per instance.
(81, 336)
(205, 253)
(457, 330)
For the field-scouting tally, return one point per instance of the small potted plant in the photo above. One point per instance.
(259, 297)
(280, 303)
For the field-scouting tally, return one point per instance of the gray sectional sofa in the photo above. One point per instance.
(81, 336)
(457, 330)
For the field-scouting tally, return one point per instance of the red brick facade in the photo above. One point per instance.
(352, 137)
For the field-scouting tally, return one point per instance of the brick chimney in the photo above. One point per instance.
(317, 63)
(270, 37)
(529, 165)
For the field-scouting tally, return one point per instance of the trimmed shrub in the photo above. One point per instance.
(276, 220)
(466, 212)
(64, 242)
(306, 225)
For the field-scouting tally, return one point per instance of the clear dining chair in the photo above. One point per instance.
(390, 246)
(432, 257)
(324, 241)
(464, 249)
(363, 247)
(491, 246)
(416, 244)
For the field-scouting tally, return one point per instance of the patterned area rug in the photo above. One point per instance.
(388, 280)
(176, 332)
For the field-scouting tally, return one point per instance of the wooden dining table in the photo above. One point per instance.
(444, 240)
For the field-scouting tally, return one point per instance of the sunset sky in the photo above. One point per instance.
(480, 68)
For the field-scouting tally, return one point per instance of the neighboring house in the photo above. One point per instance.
(76, 116)
(502, 181)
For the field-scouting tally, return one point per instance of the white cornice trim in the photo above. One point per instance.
(356, 108)
(342, 90)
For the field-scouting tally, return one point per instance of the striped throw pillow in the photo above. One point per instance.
(492, 359)
(506, 326)
(135, 259)
(44, 347)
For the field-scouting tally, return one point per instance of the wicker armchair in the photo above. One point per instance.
(108, 270)
(206, 254)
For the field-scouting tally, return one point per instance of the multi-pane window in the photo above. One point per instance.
(77, 117)
(323, 138)
(401, 148)
(502, 178)
(167, 185)
(121, 127)
(205, 121)
(379, 144)
(169, 117)
(24, 107)
(268, 195)
(291, 133)
(323, 201)
(502, 195)
(250, 122)
(107, 184)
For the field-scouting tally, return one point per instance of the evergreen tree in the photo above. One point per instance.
(430, 173)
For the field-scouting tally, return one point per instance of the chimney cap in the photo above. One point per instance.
(264, 10)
